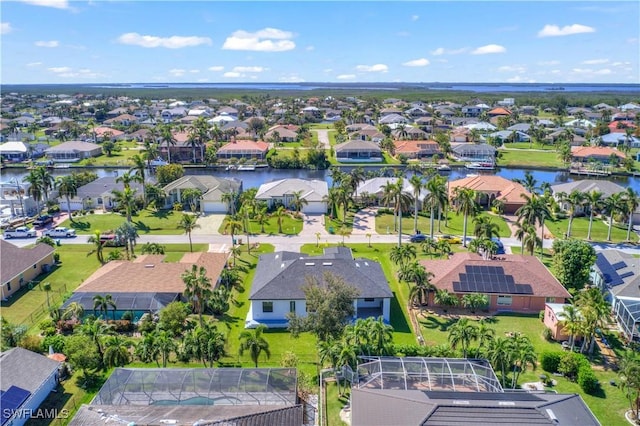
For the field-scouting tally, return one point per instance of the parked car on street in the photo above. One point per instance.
(418, 238)
(449, 238)
(60, 232)
(499, 244)
(111, 240)
(19, 232)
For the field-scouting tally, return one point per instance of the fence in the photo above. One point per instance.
(54, 297)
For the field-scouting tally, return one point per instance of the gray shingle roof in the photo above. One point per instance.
(312, 190)
(105, 185)
(25, 369)
(282, 275)
(358, 146)
(212, 187)
(606, 187)
(15, 260)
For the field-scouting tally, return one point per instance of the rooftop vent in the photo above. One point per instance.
(150, 265)
(282, 265)
(327, 263)
(309, 263)
(357, 265)
(460, 402)
(506, 403)
(552, 416)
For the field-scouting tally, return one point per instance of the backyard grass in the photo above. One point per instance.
(529, 146)
(120, 158)
(28, 306)
(384, 224)
(334, 404)
(290, 226)
(163, 222)
(530, 159)
(599, 230)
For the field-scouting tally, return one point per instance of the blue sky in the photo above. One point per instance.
(61, 41)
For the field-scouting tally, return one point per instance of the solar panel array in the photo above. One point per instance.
(11, 400)
(627, 274)
(489, 279)
(619, 265)
(611, 277)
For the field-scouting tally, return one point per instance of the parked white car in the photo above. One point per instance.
(19, 232)
(60, 232)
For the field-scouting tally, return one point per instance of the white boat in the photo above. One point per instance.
(444, 168)
(480, 166)
(246, 168)
(158, 162)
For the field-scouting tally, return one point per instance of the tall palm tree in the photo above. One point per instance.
(629, 374)
(612, 204)
(572, 322)
(280, 214)
(126, 199)
(126, 178)
(524, 354)
(576, 199)
(166, 136)
(230, 199)
(417, 184)
(116, 351)
(530, 241)
(631, 202)
(68, 188)
(139, 170)
(500, 355)
(484, 227)
(35, 187)
(403, 254)
(595, 201)
(165, 344)
(465, 203)
(262, 218)
(46, 181)
(103, 303)
(535, 210)
(438, 197)
(462, 333)
(419, 293)
(254, 343)
(73, 311)
(197, 288)
(298, 201)
(484, 334)
(97, 246)
(146, 350)
(188, 223)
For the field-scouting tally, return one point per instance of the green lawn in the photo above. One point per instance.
(336, 223)
(599, 230)
(527, 145)
(163, 222)
(30, 305)
(455, 224)
(334, 404)
(117, 159)
(530, 159)
(290, 226)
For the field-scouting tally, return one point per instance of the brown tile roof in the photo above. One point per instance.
(416, 146)
(244, 145)
(524, 269)
(15, 260)
(148, 274)
(102, 130)
(508, 191)
(595, 151)
(499, 111)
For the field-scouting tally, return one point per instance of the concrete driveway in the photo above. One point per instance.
(209, 224)
(312, 224)
(364, 222)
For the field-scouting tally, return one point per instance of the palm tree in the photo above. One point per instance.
(403, 254)
(166, 136)
(500, 355)
(535, 210)
(462, 333)
(594, 201)
(465, 202)
(46, 287)
(445, 299)
(230, 198)
(419, 293)
(234, 226)
(235, 252)
(484, 334)
(524, 354)
(103, 303)
(572, 322)
(530, 241)
(595, 311)
(254, 343)
(188, 223)
(484, 227)
(611, 205)
(631, 202)
(128, 233)
(97, 248)
(262, 218)
(417, 184)
(298, 202)
(139, 170)
(127, 199)
(280, 214)
(126, 178)
(146, 350)
(96, 330)
(116, 351)
(165, 344)
(205, 343)
(197, 288)
(35, 187)
(67, 187)
(46, 181)
(575, 200)
(629, 374)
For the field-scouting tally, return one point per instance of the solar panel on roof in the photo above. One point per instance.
(627, 274)
(619, 265)
(11, 400)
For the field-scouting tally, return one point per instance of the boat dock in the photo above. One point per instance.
(589, 172)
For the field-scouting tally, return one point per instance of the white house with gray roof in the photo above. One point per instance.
(278, 285)
(282, 192)
(212, 189)
(586, 186)
(374, 188)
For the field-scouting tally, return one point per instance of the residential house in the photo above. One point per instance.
(409, 133)
(489, 188)
(26, 381)
(417, 112)
(72, 151)
(472, 110)
(14, 151)
(510, 136)
(507, 102)
(171, 114)
(369, 133)
(281, 134)
(417, 149)
(393, 119)
(586, 186)
(98, 194)
(617, 275)
(278, 285)
(358, 151)
(243, 149)
(515, 283)
(281, 192)
(554, 317)
(146, 284)
(15, 201)
(371, 191)
(619, 139)
(20, 266)
(212, 188)
(498, 111)
(103, 133)
(586, 154)
(474, 152)
(122, 120)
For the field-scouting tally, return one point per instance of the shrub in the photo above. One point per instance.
(56, 342)
(546, 333)
(146, 324)
(570, 363)
(53, 209)
(31, 342)
(127, 316)
(550, 361)
(121, 326)
(289, 360)
(47, 327)
(587, 379)
(56, 257)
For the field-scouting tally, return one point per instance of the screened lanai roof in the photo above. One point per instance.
(199, 386)
(428, 374)
(148, 302)
(628, 316)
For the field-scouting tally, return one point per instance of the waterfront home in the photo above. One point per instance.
(586, 186)
(603, 154)
(510, 136)
(145, 284)
(617, 275)
(281, 192)
(620, 139)
(358, 151)
(393, 119)
(20, 266)
(278, 285)
(417, 149)
(122, 120)
(282, 134)
(371, 191)
(243, 149)
(212, 188)
(408, 132)
(473, 152)
(514, 283)
(14, 151)
(489, 188)
(98, 194)
(72, 151)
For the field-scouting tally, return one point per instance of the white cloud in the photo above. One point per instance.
(373, 68)
(50, 43)
(595, 61)
(415, 17)
(265, 40)
(439, 51)
(68, 72)
(194, 71)
(488, 49)
(346, 77)
(604, 71)
(310, 48)
(512, 68)
(5, 28)
(173, 42)
(519, 79)
(57, 4)
(422, 62)
(58, 70)
(556, 31)
(232, 74)
(442, 61)
(216, 68)
(34, 64)
(177, 72)
(327, 70)
(249, 69)
(548, 63)
(619, 63)
(442, 51)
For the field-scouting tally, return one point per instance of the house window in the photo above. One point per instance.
(369, 299)
(35, 266)
(267, 306)
(292, 306)
(8, 286)
(504, 300)
(550, 300)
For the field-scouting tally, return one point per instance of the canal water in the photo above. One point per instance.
(259, 176)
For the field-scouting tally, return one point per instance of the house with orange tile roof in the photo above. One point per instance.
(515, 283)
(417, 149)
(244, 149)
(603, 154)
(498, 112)
(490, 188)
(146, 284)
(104, 132)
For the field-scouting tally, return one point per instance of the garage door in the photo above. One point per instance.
(215, 207)
(315, 207)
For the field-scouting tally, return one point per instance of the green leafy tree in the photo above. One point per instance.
(462, 333)
(572, 262)
(169, 173)
(205, 343)
(152, 248)
(629, 374)
(254, 343)
(192, 196)
(172, 317)
(146, 349)
(82, 355)
(116, 351)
